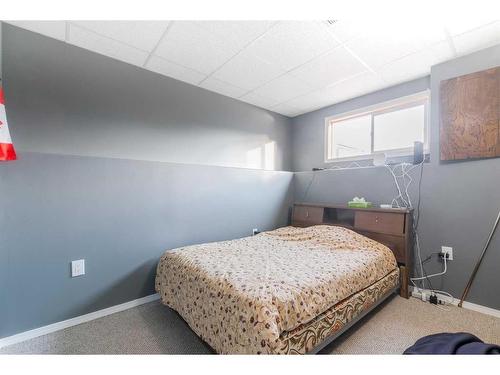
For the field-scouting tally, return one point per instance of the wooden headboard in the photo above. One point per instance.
(391, 227)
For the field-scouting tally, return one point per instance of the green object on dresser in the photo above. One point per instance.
(353, 204)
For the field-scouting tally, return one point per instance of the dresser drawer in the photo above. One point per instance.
(309, 214)
(381, 222)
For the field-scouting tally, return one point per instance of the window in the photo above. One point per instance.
(390, 128)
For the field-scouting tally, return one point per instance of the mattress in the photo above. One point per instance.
(247, 295)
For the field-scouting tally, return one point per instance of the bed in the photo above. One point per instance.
(286, 291)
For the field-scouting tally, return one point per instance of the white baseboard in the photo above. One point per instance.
(465, 305)
(478, 308)
(27, 335)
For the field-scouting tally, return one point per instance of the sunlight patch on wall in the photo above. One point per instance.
(269, 155)
(262, 157)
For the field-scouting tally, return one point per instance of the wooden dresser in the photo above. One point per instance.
(391, 227)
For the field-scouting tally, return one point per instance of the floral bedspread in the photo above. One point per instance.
(240, 295)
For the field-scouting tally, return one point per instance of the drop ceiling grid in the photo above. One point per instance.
(189, 45)
(290, 67)
(256, 48)
(395, 71)
(338, 44)
(286, 107)
(342, 46)
(244, 46)
(143, 35)
(84, 38)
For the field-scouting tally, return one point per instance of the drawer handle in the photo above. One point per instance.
(307, 213)
(376, 219)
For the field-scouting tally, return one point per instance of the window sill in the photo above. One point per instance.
(366, 161)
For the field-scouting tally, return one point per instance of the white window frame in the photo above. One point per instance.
(377, 109)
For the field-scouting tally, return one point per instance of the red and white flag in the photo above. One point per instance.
(6, 147)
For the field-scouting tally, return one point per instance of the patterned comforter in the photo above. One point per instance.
(241, 295)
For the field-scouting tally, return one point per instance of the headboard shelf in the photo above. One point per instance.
(346, 207)
(391, 227)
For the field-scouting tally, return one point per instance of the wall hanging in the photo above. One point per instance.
(6, 147)
(470, 116)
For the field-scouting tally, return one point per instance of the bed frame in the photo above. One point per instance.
(391, 227)
(341, 331)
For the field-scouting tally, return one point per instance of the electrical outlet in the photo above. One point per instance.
(78, 267)
(447, 251)
(255, 231)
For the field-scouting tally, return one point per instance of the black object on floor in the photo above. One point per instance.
(452, 343)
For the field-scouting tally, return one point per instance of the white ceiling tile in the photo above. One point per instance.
(345, 30)
(394, 40)
(105, 46)
(247, 71)
(284, 88)
(477, 39)
(417, 64)
(53, 29)
(257, 100)
(311, 101)
(162, 66)
(460, 25)
(359, 85)
(291, 43)
(355, 86)
(192, 46)
(285, 109)
(223, 88)
(139, 34)
(238, 33)
(330, 68)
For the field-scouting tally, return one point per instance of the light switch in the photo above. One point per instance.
(78, 267)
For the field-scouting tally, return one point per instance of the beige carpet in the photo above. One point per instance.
(155, 329)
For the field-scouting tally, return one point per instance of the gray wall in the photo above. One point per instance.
(459, 201)
(78, 121)
(120, 215)
(66, 100)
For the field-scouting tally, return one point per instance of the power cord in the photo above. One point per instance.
(350, 165)
(402, 179)
(403, 199)
(434, 292)
(309, 186)
(433, 275)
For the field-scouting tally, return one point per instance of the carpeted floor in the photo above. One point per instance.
(155, 329)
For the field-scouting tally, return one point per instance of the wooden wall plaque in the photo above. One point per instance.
(470, 116)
